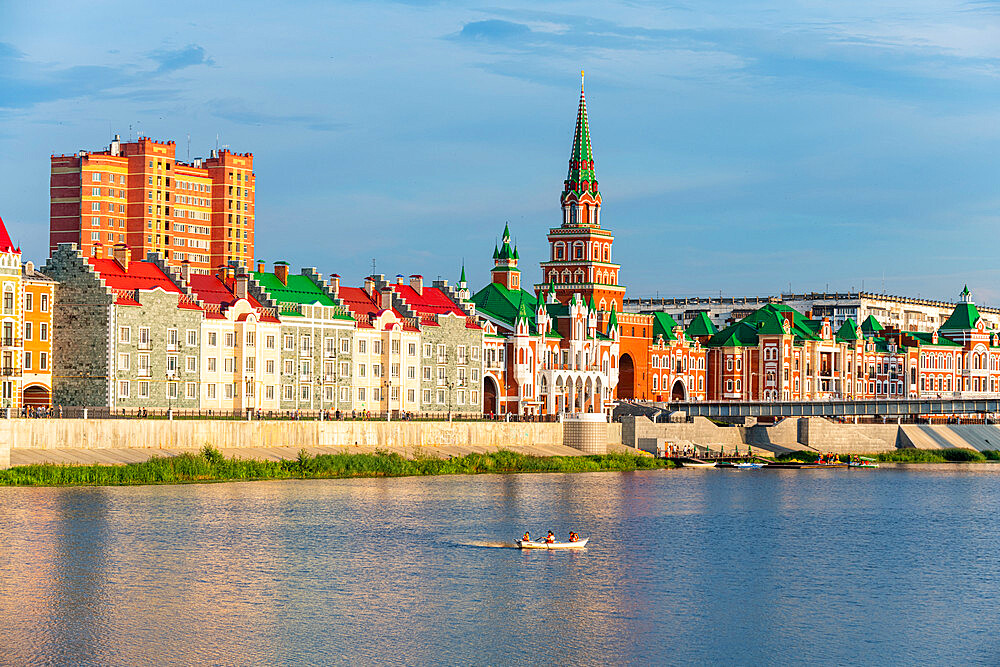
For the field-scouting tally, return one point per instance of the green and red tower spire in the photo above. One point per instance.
(581, 199)
(580, 262)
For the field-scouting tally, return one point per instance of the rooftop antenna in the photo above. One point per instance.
(130, 132)
(189, 147)
(373, 266)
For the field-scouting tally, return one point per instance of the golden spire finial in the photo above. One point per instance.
(581, 79)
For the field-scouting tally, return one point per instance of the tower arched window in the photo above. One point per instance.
(572, 215)
(607, 253)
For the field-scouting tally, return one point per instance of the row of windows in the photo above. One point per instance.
(43, 361)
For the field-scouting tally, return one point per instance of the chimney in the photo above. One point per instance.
(120, 253)
(98, 250)
(417, 283)
(29, 267)
(186, 271)
(399, 278)
(242, 281)
(369, 285)
(281, 272)
(387, 299)
(261, 267)
(116, 145)
(335, 284)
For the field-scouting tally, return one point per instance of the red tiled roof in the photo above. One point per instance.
(213, 292)
(5, 244)
(432, 302)
(365, 308)
(140, 276)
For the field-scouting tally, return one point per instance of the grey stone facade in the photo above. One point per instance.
(115, 355)
(451, 365)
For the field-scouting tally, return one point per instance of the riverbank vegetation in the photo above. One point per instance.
(209, 465)
(911, 455)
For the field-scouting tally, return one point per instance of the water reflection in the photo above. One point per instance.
(772, 567)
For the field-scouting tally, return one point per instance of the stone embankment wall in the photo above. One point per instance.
(184, 434)
(813, 433)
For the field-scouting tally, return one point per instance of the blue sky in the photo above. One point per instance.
(740, 149)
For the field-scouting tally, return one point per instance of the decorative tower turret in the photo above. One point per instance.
(505, 271)
(580, 250)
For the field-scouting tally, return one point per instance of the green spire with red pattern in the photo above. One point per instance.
(581, 177)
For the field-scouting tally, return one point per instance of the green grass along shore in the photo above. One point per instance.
(950, 455)
(209, 465)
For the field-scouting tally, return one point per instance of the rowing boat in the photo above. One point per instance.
(748, 465)
(697, 463)
(531, 544)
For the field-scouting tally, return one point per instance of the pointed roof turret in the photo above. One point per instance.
(581, 176)
(612, 320)
(965, 315)
(592, 306)
(848, 331)
(871, 326)
(461, 279)
(522, 309)
(496, 251)
(5, 243)
(701, 325)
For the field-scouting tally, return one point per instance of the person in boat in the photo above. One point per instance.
(526, 538)
(573, 537)
(550, 538)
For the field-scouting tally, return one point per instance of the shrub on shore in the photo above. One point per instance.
(211, 465)
(950, 455)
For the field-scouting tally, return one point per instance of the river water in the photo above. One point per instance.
(896, 566)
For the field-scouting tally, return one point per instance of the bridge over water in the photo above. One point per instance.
(866, 408)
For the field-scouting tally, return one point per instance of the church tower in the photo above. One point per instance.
(580, 250)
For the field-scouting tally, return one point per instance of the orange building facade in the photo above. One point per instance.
(139, 194)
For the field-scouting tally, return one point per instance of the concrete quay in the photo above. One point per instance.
(810, 433)
(112, 441)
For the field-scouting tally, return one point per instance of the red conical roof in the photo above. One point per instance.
(5, 244)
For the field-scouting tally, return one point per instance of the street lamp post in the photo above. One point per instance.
(450, 385)
(387, 390)
(170, 407)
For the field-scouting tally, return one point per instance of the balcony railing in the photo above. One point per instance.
(10, 341)
(10, 371)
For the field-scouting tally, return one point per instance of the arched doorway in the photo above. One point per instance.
(626, 377)
(678, 392)
(489, 395)
(36, 396)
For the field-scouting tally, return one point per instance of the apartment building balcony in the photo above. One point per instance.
(10, 341)
(10, 371)
(305, 351)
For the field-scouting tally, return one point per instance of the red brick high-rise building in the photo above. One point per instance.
(139, 194)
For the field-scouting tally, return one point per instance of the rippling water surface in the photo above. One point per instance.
(892, 565)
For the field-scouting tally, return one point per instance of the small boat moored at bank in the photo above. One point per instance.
(696, 463)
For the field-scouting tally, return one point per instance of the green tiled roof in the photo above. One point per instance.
(735, 335)
(663, 325)
(300, 290)
(925, 339)
(767, 320)
(701, 325)
(501, 304)
(848, 331)
(871, 326)
(963, 318)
